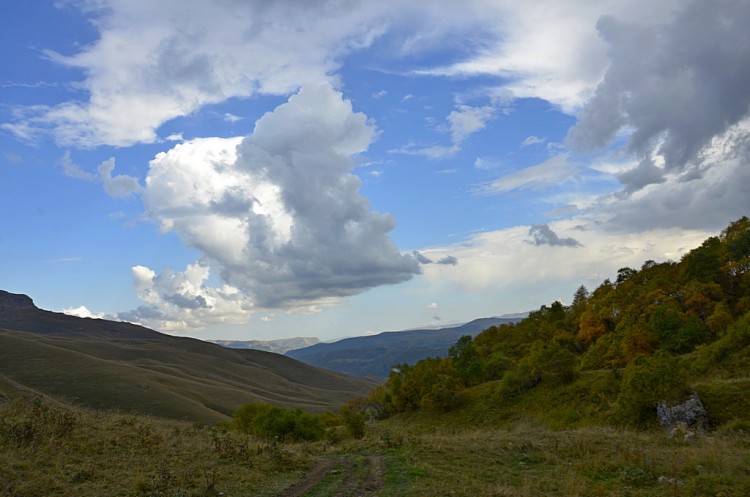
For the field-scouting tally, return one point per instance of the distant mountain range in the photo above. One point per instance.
(375, 355)
(113, 365)
(279, 346)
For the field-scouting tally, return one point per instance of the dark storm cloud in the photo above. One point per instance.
(676, 86)
(543, 235)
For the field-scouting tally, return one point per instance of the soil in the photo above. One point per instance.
(367, 484)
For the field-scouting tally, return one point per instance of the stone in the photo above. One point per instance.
(686, 418)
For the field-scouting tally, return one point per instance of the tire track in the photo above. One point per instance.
(364, 482)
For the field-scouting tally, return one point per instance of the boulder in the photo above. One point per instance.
(689, 416)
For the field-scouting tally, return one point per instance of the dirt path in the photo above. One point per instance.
(350, 479)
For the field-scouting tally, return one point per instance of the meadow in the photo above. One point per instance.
(47, 449)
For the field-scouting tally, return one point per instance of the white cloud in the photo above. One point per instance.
(231, 118)
(433, 151)
(548, 49)
(278, 214)
(154, 61)
(177, 301)
(462, 123)
(467, 120)
(532, 140)
(553, 171)
(486, 163)
(119, 186)
(721, 194)
(73, 170)
(83, 312)
(13, 159)
(509, 259)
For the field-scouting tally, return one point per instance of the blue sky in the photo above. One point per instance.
(256, 170)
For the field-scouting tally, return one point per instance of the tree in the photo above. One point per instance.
(624, 274)
(580, 297)
(590, 327)
(466, 361)
(703, 263)
(701, 298)
(648, 381)
(354, 420)
(720, 318)
(442, 394)
(677, 334)
(274, 422)
(545, 362)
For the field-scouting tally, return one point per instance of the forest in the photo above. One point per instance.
(657, 332)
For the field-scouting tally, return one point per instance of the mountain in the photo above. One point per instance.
(375, 355)
(112, 365)
(279, 346)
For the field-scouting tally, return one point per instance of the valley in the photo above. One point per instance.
(561, 403)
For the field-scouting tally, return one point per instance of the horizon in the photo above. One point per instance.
(256, 172)
(220, 341)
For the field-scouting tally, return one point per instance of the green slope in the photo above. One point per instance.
(109, 365)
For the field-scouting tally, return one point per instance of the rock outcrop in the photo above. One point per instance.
(687, 418)
(15, 301)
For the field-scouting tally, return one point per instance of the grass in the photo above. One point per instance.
(175, 378)
(554, 440)
(530, 460)
(54, 450)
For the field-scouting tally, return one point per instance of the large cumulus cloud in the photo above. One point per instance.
(673, 87)
(153, 61)
(180, 300)
(279, 214)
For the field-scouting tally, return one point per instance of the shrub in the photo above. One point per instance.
(677, 333)
(549, 362)
(277, 423)
(646, 381)
(354, 422)
(731, 351)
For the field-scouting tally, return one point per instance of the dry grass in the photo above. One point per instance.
(173, 378)
(526, 461)
(52, 450)
(47, 450)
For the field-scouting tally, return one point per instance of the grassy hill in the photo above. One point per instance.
(482, 450)
(661, 333)
(109, 365)
(560, 404)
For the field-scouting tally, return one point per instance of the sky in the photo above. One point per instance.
(253, 169)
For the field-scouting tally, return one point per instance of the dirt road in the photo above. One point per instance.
(343, 476)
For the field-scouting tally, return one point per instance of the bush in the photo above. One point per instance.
(731, 352)
(678, 334)
(647, 381)
(354, 422)
(549, 362)
(273, 422)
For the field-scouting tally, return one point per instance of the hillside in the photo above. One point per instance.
(375, 355)
(661, 333)
(111, 365)
(561, 403)
(279, 346)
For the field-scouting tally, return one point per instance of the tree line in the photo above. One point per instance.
(642, 326)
